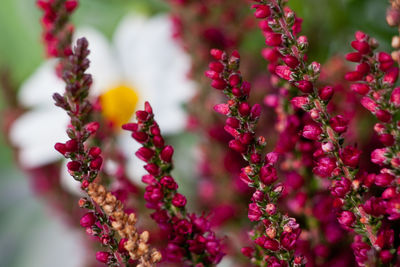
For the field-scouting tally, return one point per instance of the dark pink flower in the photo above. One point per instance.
(254, 212)
(325, 166)
(346, 218)
(341, 187)
(350, 156)
(339, 123)
(312, 132)
(268, 174)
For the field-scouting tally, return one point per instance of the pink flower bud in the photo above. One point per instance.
(217, 54)
(255, 158)
(254, 212)
(268, 174)
(384, 179)
(60, 147)
(354, 76)
(102, 256)
(299, 101)
(354, 57)
(339, 123)
(142, 115)
(350, 156)
(234, 80)
(92, 127)
(179, 200)
(246, 138)
(284, 72)
(341, 187)
(262, 11)
(247, 251)
(246, 87)
(271, 54)
(383, 115)
(389, 193)
(291, 61)
(327, 147)
(361, 46)
(271, 157)
(70, 5)
(94, 151)
(218, 84)
(141, 137)
(96, 163)
(121, 245)
(145, 154)
(386, 256)
(271, 244)
(325, 166)
(152, 169)
(87, 220)
(231, 131)
(74, 166)
(378, 156)
(363, 68)
(395, 97)
(166, 153)
(237, 146)
(255, 111)
(169, 182)
(326, 93)
(148, 108)
(347, 218)
(71, 145)
(222, 109)
(148, 179)
(158, 141)
(368, 103)
(216, 66)
(360, 88)
(244, 109)
(391, 76)
(302, 41)
(312, 132)
(386, 139)
(233, 122)
(273, 39)
(212, 74)
(305, 86)
(133, 127)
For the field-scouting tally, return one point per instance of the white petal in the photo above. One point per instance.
(157, 65)
(103, 66)
(40, 87)
(134, 167)
(35, 134)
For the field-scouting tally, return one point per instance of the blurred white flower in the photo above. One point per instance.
(143, 63)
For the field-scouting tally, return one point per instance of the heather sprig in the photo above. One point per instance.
(57, 31)
(190, 238)
(106, 217)
(335, 160)
(276, 233)
(374, 79)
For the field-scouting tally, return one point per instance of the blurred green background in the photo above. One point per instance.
(29, 235)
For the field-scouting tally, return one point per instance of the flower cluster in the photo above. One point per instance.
(321, 192)
(334, 160)
(276, 232)
(57, 32)
(85, 164)
(131, 242)
(190, 238)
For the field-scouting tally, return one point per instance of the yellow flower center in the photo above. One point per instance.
(118, 104)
